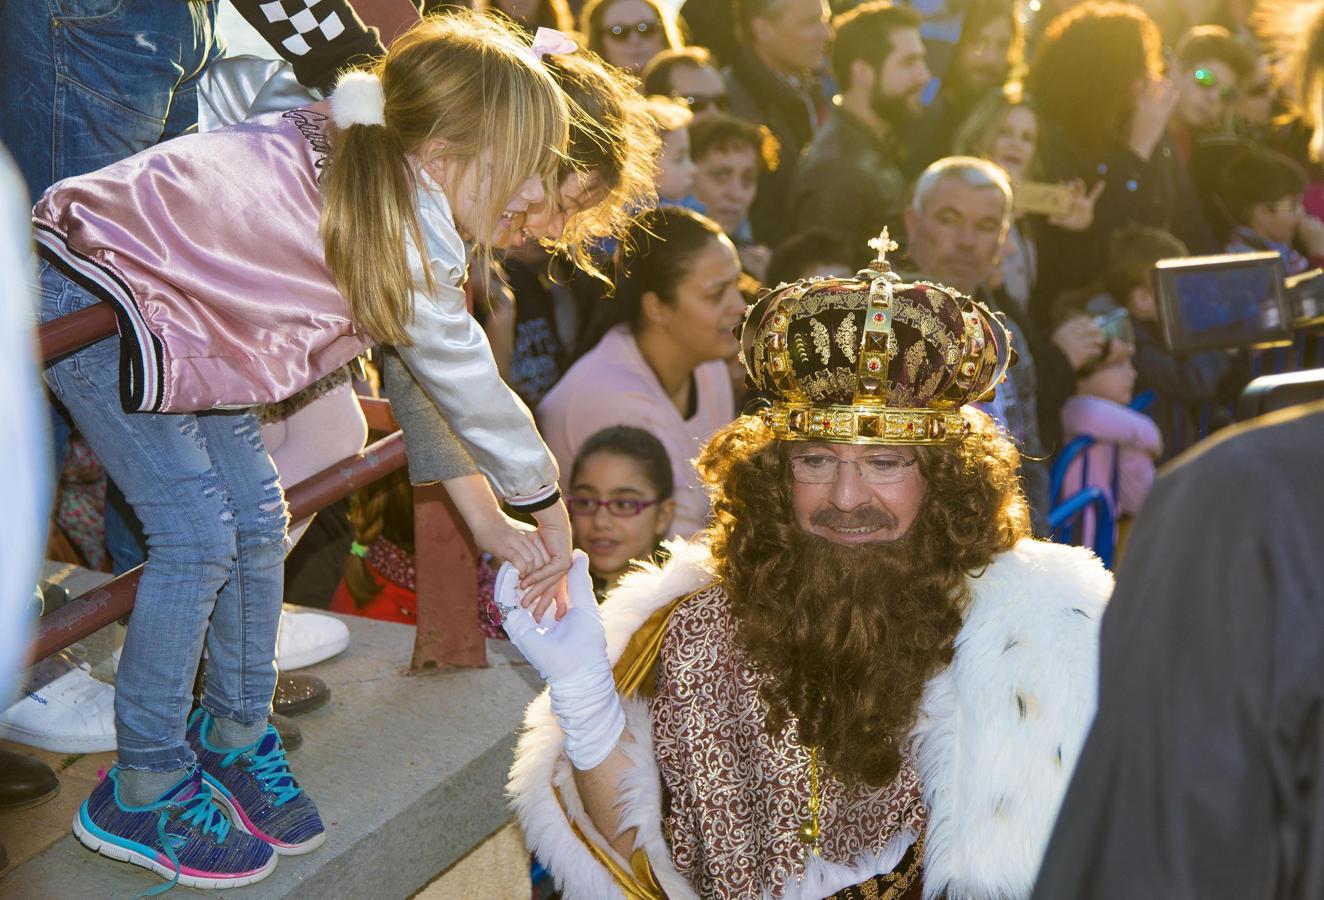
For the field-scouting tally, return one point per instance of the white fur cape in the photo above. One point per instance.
(998, 734)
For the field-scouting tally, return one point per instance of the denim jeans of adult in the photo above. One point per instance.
(85, 83)
(206, 492)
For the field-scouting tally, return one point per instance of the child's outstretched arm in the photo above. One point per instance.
(436, 454)
(453, 363)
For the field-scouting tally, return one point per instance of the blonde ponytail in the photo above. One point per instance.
(364, 222)
(466, 81)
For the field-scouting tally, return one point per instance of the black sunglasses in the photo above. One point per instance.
(699, 103)
(623, 32)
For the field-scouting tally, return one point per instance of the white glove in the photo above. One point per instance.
(571, 656)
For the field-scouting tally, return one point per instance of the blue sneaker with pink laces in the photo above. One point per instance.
(255, 784)
(183, 836)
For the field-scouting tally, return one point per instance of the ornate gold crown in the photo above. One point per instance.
(870, 359)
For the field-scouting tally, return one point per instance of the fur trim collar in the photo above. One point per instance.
(999, 732)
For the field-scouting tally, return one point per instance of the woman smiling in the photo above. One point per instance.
(661, 366)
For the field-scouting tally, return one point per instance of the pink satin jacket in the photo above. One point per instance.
(208, 247)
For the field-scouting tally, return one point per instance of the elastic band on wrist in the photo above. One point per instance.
(538, 505)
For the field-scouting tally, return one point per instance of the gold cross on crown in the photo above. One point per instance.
(883, 244)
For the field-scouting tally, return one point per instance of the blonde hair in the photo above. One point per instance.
(460, 78)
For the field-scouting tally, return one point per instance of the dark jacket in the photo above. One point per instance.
(1186, 388)
(1155, 192)
(761, 95)
(849, 181)
(1055, 378)
(1203, 774)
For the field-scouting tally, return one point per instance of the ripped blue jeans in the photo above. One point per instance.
(214, 516)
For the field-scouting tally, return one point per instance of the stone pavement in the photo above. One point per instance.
(407, 770)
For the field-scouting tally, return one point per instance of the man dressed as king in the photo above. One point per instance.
(865, 680)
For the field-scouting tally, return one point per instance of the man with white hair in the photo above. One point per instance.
(956, 225)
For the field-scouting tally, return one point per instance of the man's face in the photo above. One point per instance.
(899, 90)
(1204, 91)
(957, 234)
(849, 508)
(983, 59)
(725, 181)
(794, 37)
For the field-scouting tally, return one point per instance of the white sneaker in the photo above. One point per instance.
(63, 709)
(306, 638)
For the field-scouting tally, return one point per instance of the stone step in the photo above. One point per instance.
(408, 772)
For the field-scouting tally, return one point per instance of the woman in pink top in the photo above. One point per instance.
(1122, 437)
(662, 366)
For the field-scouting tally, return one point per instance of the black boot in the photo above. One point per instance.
(290, 735)
(298, 693)
(25, 781)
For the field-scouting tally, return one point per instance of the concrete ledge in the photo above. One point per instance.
(408, 773)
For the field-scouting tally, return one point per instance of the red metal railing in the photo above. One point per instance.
(448, 630)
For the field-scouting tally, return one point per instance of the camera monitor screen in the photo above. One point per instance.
(1220, 302)
(1305, 291)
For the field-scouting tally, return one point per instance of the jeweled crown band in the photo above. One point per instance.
(864, 424)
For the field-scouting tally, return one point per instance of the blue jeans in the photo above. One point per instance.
(211, 506)
(85, 83)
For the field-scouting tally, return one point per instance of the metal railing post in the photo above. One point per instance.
(446, 573)
(446, 566)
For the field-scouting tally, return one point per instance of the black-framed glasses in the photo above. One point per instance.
(701, 103)
(823, 468)
(619, 507)
(1206, 79)
(642, 29)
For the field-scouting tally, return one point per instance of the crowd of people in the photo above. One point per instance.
(679, 306)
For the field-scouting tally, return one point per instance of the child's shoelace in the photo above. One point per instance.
(272, 770)
(200, 812)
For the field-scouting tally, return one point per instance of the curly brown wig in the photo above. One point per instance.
(845, 638)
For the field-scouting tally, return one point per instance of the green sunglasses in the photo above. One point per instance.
(1209, 81)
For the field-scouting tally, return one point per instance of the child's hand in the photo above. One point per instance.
(1310, 233)
(511, 541)
(546, 585)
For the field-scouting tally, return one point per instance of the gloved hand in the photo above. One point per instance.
(571, 656)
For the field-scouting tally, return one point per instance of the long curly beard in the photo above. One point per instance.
(847, 637)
